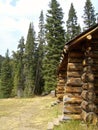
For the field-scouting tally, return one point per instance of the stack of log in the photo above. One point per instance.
(95, 70)
(72, 98)
(60, 85)
(88, 94)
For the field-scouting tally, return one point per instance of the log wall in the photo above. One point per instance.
(60, 85)
(88, 105)
(72, 98)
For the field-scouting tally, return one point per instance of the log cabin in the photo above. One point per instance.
(78, 77)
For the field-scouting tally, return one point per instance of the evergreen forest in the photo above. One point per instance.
(32, 69)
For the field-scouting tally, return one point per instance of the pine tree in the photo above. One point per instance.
(73, 29)
(39, 57)
(89, 15)
(55, 37)
(6, 77)
(18, 59)
(29, 62)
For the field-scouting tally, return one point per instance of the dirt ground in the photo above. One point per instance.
(26, 114)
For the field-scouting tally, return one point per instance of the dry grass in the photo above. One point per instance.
(75, 125)
(27, 114)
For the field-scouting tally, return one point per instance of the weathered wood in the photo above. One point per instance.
(89, 117)
(60, 96)
(69, 89)
(89, 69)
(74, 67)
(61, 81)
(76, 74)
(88, 106)
(89, 37)
(59, 92)
(88, 61)
(72, 109)
(60, 88)
(88, 85)
(75, 54)
(60, 84)
(88, 95)
(74, 60)
(74, 81)
(87, 77)
(70, 100)
(72, 117)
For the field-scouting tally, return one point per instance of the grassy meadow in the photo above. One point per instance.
(27, 114)
(34, 114)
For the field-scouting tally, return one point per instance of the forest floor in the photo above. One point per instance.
(27, 114)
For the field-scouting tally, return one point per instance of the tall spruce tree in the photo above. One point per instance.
(55, 37)
(73, 28)
(6, 78)
(89, 15)
(29, 62)
(18, 60)
(39, 57)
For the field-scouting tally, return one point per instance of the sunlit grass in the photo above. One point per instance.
(27, 113)
(75, 125)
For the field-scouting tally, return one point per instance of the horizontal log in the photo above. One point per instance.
(74, 81)
(88, 85)
(88, 106)
(60, 84)
(75, 54)
(74, 67)
(76, 74)
(72, 95)
(71, 117)
(87, 77)
(59, 92)
(69, 89)
(71, 100)
(74, 60)
(72, 109)
(59, 88)
(88, 95)
(89, 117)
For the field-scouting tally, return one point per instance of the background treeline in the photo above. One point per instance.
(32, 69)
